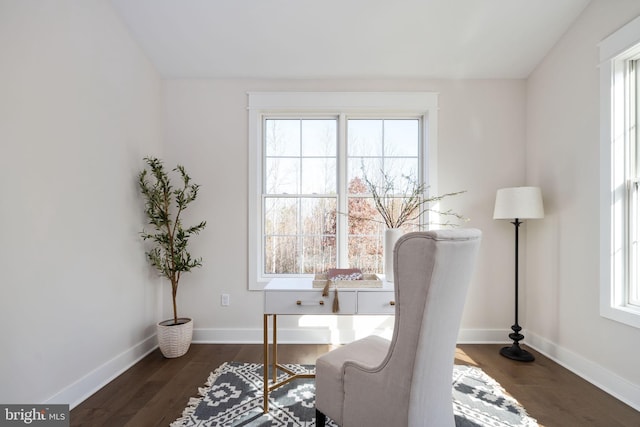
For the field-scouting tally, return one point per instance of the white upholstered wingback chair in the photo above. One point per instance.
(407, 381)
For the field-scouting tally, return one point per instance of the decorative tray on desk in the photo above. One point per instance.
(367, 281)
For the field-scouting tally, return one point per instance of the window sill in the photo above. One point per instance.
(624, 314)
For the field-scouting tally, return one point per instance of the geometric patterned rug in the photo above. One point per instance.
(233, 397)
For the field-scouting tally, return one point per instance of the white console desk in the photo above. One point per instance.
(297, 296)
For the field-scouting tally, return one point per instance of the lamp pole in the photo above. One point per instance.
(514, 351)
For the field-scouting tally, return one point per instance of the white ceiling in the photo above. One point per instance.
(347, 38)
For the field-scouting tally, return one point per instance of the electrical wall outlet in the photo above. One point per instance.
(225, 300)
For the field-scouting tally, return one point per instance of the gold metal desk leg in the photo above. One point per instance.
(265, 366)
(274, 360)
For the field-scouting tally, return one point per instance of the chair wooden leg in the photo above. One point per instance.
(320, 419)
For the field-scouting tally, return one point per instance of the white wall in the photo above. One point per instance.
(481, 148)
(562, 297)
(79, 108)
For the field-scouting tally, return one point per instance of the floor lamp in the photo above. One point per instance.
(518, 203)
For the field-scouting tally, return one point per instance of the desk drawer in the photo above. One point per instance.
(376, 303)
(296, 302)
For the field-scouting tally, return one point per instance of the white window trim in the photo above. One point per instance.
(261, 103)
(614, 50)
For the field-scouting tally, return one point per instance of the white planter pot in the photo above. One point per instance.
(174, 339)
(391, 236)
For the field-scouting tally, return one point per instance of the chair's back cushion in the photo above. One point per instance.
(432, 274)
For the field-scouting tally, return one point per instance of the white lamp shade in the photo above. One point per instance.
(518, 202)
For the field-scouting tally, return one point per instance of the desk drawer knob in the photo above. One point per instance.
(392, 303)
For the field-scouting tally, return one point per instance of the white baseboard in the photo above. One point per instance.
(255, 336)
(611, 383)
(80, 390)
(326, 336)
(483, 336)
(285, 336)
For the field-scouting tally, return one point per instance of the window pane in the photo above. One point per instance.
(319, 176)
(401, 137)
(364, 137)
(319, 234)
(363, 216)
(282, 137)
(319, 138)
(384, 152)
(634, 252)
(318, 216)
(319, 254)
(365, 235)
(358, 167)
(634, 202)
(357, 186)
(281, 216)
(300, 235)
(365, 252)
(282, 176)
(397, 169)
(281, 254)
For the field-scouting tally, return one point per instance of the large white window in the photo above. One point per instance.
(620, 164)
(311, 155)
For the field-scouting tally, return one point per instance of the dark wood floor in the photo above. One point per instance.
(156, 390)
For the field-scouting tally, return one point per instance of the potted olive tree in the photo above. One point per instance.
(168, 254)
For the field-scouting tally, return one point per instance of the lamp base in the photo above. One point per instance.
(516, 353)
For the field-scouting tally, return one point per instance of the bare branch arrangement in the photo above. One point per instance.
(406, 204)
